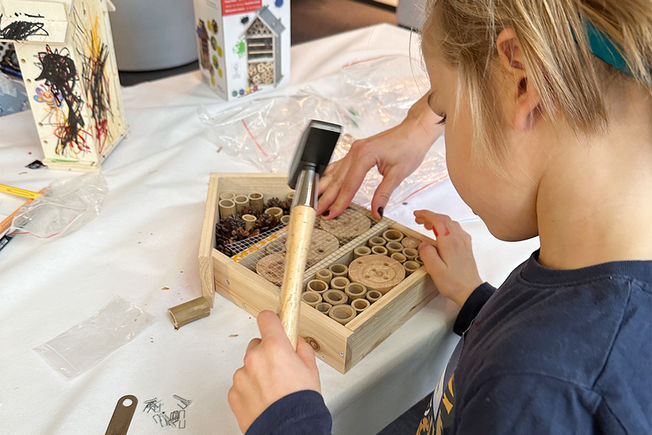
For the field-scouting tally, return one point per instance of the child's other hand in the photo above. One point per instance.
(272, 369)
(451, 264)
(396, 153)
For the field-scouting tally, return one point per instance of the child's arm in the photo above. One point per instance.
(396, 153)
(452, 267)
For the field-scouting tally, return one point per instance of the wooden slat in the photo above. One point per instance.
(207, 240)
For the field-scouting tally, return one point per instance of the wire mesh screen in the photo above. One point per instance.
(260, 244)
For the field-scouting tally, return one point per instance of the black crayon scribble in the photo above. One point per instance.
(60, 75)
(98, 94)
(94, 55)
(21, 30)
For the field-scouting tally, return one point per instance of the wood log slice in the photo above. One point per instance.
(272, 267)
(346, 226)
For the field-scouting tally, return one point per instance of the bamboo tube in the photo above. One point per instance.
(410, 266)
(361, 251)
(227, 208)
(376, 241)
(335, 297)
(409, 242)
(410, 253)
(275, 211)
(355, 290)
(338, 269)
(359, 305)
(339, 283)
(393, 247)
(373, 295)
(256, 201)
(189, 312)
(342, 313)
(311, 298)
(379, 250)
(399, 257)
(316, 286)
(324, 275)
(227, 195)
(393, 235)
(241, 201)
(323, 307)
(250, 221)
(285, 219)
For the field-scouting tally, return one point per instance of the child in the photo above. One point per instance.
(548, 110)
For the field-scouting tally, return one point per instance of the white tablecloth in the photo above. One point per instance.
(147, 238)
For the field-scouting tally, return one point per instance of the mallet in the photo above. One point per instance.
(310, 160)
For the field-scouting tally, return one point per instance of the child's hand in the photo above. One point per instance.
(451, 264)
(396, 153)
(272, 369)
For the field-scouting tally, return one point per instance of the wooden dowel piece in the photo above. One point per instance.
(302, 221)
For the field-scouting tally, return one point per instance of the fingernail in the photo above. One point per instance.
(446, 232)
(381, 210)
(434, 230)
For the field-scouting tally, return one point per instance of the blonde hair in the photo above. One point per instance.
(569, 79)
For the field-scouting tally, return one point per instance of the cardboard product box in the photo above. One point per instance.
(244, 45)
(66, 56)
(246, 279)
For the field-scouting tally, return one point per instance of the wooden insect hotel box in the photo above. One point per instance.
(372, 265)
(66, 56)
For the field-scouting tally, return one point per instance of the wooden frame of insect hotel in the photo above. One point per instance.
(363, 277)
(67, 59)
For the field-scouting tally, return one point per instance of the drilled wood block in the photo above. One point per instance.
(377, 272)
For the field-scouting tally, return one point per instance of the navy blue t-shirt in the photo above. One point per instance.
(551, 351)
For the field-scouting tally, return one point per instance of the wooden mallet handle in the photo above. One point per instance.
(302, 220)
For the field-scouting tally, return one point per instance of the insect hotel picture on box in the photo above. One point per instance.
(66, 56)
(363, 277)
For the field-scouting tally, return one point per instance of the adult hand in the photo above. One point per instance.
(451, 264)
(272, 369)
(396, 153)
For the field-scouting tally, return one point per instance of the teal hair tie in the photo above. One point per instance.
(604, 49)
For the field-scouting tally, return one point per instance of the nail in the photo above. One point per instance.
(434, 230)
(446, 232)
(381, 210)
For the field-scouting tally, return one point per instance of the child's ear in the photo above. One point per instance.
(525, 97)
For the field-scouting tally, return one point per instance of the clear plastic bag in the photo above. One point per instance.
(366, 98)
(65, 206)
(266, 131)
(86, 344)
